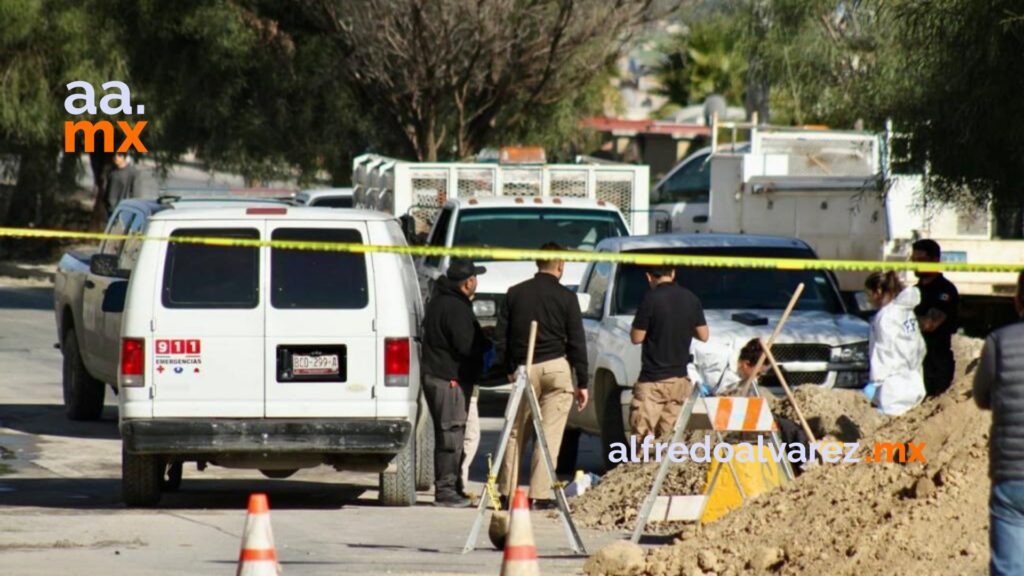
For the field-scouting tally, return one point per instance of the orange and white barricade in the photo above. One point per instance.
(719, 414)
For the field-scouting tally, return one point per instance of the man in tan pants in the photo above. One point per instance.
(666, 322)
(559, 351)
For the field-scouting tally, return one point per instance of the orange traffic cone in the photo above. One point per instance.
(520, 550)
(258, 557)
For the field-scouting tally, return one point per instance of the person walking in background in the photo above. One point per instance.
(453, 355)
(938, 315)
(999, 387)
(121, 182)
(560, 350)
(667, 320)
(896, 349)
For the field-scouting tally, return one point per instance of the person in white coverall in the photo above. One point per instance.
(896, 349)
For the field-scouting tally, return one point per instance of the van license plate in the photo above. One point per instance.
(303, 365)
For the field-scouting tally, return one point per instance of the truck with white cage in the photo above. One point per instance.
(518, 202)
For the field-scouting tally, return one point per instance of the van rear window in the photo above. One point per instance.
(317, 279)
(201, 276)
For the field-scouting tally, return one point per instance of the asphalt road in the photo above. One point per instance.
(60, 509)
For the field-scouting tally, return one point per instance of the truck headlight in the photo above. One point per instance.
(855, 353)
(484, 308)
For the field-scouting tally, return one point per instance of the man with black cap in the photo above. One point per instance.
(453, 352)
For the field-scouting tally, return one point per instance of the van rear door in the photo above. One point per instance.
(208, 328)
(321, 353)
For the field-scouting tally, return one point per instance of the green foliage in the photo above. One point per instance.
(44, 44)
(704, 59)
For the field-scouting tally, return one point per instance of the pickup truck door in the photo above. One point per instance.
(596, 283)
(101, 347)
(428, 268)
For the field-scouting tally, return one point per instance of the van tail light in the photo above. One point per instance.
(396, 362)
(133, 362)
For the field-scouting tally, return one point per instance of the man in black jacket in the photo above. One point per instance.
(560, 351)
(453, 351)
(999, 387)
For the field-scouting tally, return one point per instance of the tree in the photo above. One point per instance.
(451, 75)
(704, 59)
(44, 44)
(963, 111)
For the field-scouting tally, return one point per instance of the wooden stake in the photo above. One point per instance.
(775, 334)
(789, 393)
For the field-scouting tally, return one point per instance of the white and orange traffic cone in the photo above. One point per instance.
(520, 549)
(258, 556)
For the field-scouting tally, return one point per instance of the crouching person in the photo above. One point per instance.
(453, 353)
(896, 348)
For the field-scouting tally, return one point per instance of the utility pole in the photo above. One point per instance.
(758, 86)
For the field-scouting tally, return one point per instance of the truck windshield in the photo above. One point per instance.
(530, 228)
(736, 288)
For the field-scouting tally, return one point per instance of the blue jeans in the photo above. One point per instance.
(1006, 528)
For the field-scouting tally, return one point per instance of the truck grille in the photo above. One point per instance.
(795, 378)
(801, 352)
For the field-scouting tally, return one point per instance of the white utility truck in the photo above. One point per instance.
(837, 191)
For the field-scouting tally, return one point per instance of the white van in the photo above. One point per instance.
(267, 358)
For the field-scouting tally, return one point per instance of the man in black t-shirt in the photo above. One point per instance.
(938, 315)
(668, 319)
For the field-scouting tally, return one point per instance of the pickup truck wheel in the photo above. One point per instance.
(141, 476)
(398, 488)
(613, 430)
(171, 480)
(425, 455)
(83, 394)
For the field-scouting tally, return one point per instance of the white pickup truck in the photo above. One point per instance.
(821, 343)
(574, 223)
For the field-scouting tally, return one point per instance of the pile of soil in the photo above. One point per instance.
(914, 518)
(614, 503)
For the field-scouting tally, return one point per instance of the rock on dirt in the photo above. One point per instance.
(865, 518)
(619, 559)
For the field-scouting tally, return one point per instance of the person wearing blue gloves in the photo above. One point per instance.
(896, 349)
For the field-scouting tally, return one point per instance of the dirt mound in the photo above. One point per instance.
(844, 415)
(614, 502)
(865, 518)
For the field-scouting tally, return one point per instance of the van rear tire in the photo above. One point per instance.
(83, 394)
(398, 488)
(141, 475)
(425, 455)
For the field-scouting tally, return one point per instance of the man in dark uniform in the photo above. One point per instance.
(938, 315)
(559, 352)
(453, 352)
(666, 322)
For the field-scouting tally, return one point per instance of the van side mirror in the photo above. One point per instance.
(106, 265)
(114, 296)
(584, 300)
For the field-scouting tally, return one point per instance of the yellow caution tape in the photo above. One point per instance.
(475, 253)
